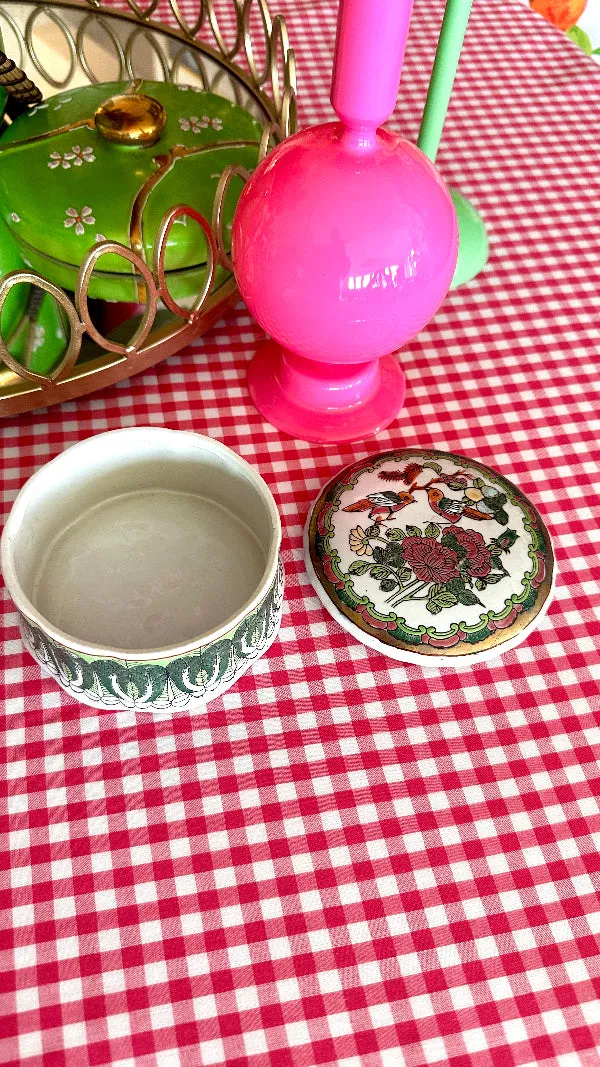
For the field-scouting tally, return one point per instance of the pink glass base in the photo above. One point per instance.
(325, 402)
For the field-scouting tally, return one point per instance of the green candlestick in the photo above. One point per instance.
(473, 248)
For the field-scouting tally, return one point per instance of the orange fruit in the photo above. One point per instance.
(563, 13)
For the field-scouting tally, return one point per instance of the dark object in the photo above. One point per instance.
(22, 92)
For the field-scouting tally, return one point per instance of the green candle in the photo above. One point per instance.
(473, 248)
(452, 35)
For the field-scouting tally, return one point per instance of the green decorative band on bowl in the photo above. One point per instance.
(187, 681)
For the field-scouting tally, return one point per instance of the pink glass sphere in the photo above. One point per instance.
(344, 245)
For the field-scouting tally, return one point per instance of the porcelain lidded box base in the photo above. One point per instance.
(429, 557)
(145, 567)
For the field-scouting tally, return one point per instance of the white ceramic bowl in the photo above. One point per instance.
(145, 567)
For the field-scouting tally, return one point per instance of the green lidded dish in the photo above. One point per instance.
(107, 162)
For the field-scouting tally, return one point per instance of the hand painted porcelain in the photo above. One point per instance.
(144, 564)
(86, 186)
(344, 246)
(429, 557)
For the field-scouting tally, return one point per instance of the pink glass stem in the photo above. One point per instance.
(344, 244)
(324, 385)
(369, 53)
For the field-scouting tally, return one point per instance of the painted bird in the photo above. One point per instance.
(457, 480)
(487, 502)
(381, 506)
(444, 506)
(479, 509)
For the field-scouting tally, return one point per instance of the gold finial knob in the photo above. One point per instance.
(131, 119)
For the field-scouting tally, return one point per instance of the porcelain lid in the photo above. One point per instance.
(66, 184)
(429, 557)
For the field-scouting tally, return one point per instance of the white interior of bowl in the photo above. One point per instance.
(141, 541)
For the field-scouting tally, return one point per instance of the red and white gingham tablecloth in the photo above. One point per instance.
(346, 861)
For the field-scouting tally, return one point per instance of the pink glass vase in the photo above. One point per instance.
(344, 245)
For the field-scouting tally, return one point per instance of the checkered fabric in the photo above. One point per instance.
(348, 861)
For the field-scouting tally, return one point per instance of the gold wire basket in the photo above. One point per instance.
(234, 48)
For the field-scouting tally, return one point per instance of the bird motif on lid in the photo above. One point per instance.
(479, 502)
